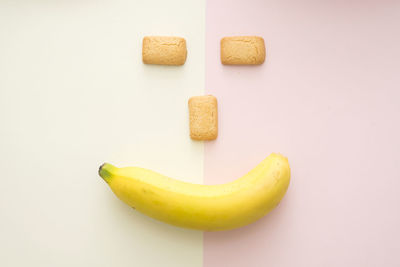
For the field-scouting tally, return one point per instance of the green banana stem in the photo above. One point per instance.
(105, 171)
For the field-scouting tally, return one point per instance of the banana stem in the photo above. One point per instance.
(105, 171)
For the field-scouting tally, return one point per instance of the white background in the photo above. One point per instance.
(73, 94)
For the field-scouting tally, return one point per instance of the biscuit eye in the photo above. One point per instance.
(242, 50)
(164, 50)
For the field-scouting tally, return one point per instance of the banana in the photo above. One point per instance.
(203, 207)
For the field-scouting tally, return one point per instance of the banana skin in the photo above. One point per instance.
(202, 207)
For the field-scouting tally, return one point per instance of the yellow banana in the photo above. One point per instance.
(202, 207)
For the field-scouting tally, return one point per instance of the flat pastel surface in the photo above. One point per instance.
(328, 98)
(74, 94)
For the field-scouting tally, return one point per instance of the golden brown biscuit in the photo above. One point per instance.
(164, 50)
(203, 116)
(242, 50)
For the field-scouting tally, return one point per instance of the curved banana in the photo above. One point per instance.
(202, 207)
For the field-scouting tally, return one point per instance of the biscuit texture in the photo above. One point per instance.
(203, 117)
(242, 50)
(164, 50)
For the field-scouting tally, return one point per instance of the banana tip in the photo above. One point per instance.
(105, 171)
(101, 166)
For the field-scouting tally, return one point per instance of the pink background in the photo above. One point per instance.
(328, 98)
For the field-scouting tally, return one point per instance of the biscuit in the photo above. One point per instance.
(203, 117)
(242, 50)
(164, 50)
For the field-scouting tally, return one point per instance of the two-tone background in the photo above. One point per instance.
(74, 93)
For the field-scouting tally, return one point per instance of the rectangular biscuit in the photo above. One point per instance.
(203, 117)
(242, 50)
(164, 50)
